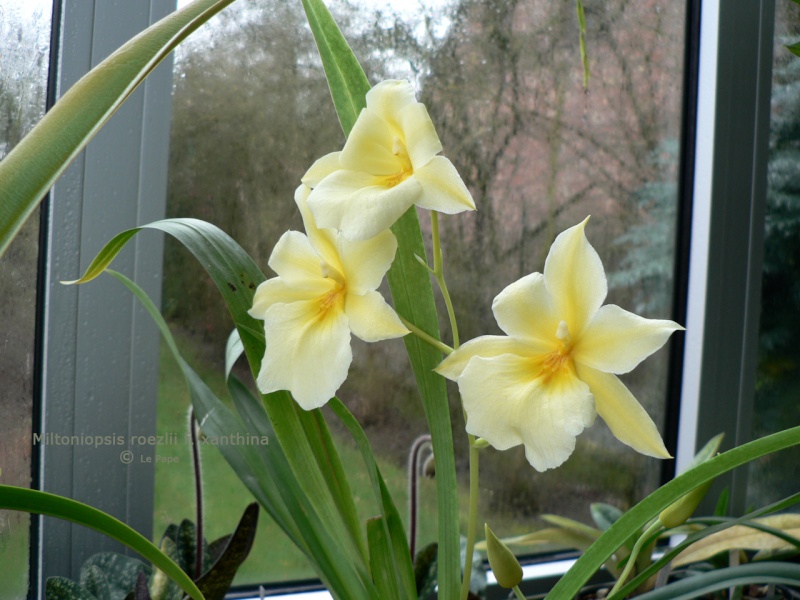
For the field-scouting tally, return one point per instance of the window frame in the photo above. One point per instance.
(727, 238)
(88, 382)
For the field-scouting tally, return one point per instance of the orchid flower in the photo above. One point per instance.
(545, 382)
(325, 290)
(388, 164)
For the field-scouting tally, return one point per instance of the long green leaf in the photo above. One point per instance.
(237, 276)
(720, 579)
(302, 435)
(35, 501)
(346, 78)
(332, 469)
(34, 165)
(413, 299)
(672, 552)
(638, 516)
(390, 518)
(266, 473)
(412, 293)
(381, 559)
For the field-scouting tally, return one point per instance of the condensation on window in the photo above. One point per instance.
(24, 58)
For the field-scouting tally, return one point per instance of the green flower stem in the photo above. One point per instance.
(438, 273)
(441, 346)
(518, 593)
(637, 547)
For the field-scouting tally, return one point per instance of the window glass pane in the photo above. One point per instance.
(24, 47)
(777, 384)
(502, 81)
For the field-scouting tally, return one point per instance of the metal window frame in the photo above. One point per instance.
(723, 308)
(98, 349)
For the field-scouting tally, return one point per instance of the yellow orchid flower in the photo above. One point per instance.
(325, 290)
(544, 383)
(388, 164)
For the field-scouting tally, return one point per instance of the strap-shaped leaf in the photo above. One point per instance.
(412, 293)
(718, 524)
(44, 503)
(698, 586)
(310, 461)
(394, 534)
(35, 164)
(267, 473)
(302, 435)
(413, 299)
(638, 516)
(346, 78)
(381, 559)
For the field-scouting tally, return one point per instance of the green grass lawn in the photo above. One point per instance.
(13, 554)
(274, 557)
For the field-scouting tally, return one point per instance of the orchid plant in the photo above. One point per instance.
(539, 386)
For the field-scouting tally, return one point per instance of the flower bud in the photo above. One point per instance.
(679, 511)
(505, 565)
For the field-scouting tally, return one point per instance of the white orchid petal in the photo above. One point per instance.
(358, 205)
(443, 188)
(388, 99)
(366, 262)
(422, 142)
(323, 241)
(524, 310)
(372, 319)
(506, 407)
(369, 147)
(623, 414)
(306, 354)
(617, 340)
(321, 169)
(276, 291)
(293, 258)
(575, 278)
(486, 346)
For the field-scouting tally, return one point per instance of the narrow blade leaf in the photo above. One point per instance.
(390, 518)
(346, 78)
(43, 503)
(412, 293)
(34, 165)
(266, 472)
(638, 516)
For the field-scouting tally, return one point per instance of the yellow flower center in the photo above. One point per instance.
(333, 300)
(559, 359)
(406, 169)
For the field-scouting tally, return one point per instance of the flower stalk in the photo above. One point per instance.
(438, 273)
(637, 548)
